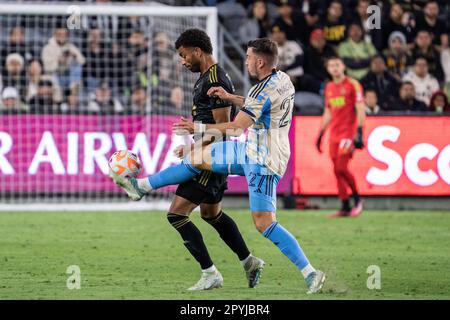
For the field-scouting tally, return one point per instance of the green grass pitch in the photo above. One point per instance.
(137, 255)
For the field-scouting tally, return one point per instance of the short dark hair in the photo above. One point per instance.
(191, 38)
(333, 58)
(406, 83)
(265, 47)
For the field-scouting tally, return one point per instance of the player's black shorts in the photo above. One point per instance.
(206, 187)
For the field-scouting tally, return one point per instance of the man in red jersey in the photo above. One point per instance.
(344, 112)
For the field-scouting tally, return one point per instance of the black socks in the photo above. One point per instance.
(229, 232)
(192, 237)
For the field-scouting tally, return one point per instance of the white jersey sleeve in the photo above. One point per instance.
(270, 104)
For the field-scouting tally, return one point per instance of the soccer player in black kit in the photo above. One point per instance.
(206, 189)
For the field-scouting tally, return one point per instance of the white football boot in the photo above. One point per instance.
(208, 281)
(129, 185)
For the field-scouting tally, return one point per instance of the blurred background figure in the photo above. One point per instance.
(42, 102)
(257, 23)
(103, 102)
(424, 83)
(356, 52)
(63, 59)
(439, 102)
(397, 55)
(407, 99)
(14, 73)
(11, 101)
(371, 101)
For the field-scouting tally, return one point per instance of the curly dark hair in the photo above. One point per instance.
(194, 38)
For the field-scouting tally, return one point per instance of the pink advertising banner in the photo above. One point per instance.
(69, 153)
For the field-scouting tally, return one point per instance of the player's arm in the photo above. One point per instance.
(222, 94)
(360, 116)
(235, 128)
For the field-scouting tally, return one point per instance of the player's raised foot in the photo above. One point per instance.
(208, 281)
(129, 185)
(253, 270)
(340, 214)
(356, 210)
(315, 281)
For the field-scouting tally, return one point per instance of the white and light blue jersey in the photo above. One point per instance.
(270, 104)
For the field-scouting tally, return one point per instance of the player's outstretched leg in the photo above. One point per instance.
(138, 188)
(193, 240)
(230, 234)
(290, 247)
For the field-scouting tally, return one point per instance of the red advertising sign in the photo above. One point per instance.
(402, 156)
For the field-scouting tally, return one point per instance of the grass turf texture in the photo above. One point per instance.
(138, 255)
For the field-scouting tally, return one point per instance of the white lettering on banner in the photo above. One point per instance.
(5, 146)
(443, 164)
(389, 157)
(72, 153)
(47, 152)
(142, 148)
(92, 155)
(412, 170)
(119, 141)
(394, 161)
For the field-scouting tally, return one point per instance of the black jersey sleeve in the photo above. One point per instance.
(219, 78)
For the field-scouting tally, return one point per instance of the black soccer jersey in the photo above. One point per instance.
(204, 104)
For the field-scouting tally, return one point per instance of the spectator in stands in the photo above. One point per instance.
(138, 103)
(397, 55)
(72, 104)
(428, 20)
(177, 102)
(407, 99)
(11, 101)
(293, 23)
(445, 62)
(333, 24)
(423, 48)
(316, 54)
(42, 102)
(397, 21)
(256, 25)
(16, 43)
(97, 59)
(164, 60)
(290, 55)
(103, 101)
(311, 11)
(14, 74)
(363, 18)
(381, 81)
(424, 83)
(439, 102)
(63, 59)
(356, 53)
(34, 75)
(371, 101)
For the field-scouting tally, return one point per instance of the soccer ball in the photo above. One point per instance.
(125, 163)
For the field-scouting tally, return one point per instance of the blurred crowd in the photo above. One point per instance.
(109, 65)
(398, 50)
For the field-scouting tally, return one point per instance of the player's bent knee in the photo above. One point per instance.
(262, 220)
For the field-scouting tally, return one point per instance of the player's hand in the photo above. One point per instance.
(358, 141)
(183, 128)
(319, 142)
(182, 151)
(218, 92)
